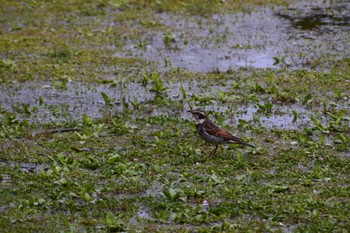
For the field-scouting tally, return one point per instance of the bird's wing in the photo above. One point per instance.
(211, 129)
(226, 136)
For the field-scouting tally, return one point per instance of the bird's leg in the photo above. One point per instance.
(214, 151)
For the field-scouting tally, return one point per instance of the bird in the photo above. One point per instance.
(212, 133)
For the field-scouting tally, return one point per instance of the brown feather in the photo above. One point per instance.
(226, 136)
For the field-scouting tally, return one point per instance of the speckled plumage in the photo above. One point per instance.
(213, 134)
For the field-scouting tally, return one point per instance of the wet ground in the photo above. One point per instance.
(296, 37)
(60, 105)
(304, 35)
(218, 61)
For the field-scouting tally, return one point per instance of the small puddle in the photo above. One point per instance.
(25, 167)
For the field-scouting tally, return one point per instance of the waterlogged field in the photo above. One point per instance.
(94, 130)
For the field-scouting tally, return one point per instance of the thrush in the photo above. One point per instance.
(213, 134)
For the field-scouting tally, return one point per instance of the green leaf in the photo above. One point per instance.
(172, 193)
(183, 91)
(110, 219)
(322, 138)
(86, 196)
(106, 98)
(280, 189)
(295, 116)
(87, 120)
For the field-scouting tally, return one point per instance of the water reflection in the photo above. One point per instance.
(228, 41)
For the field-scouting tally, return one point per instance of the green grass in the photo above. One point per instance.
(143, 168)
(159, 166)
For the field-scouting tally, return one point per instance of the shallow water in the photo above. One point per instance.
(60, 105)
(270, 37)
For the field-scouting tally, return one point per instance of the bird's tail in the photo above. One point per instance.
(240, 141)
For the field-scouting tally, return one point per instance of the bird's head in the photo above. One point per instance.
(199, 115)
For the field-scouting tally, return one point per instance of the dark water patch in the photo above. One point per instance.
(318, 33)
(321, 16)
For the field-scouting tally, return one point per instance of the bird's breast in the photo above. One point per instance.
(208, 137)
